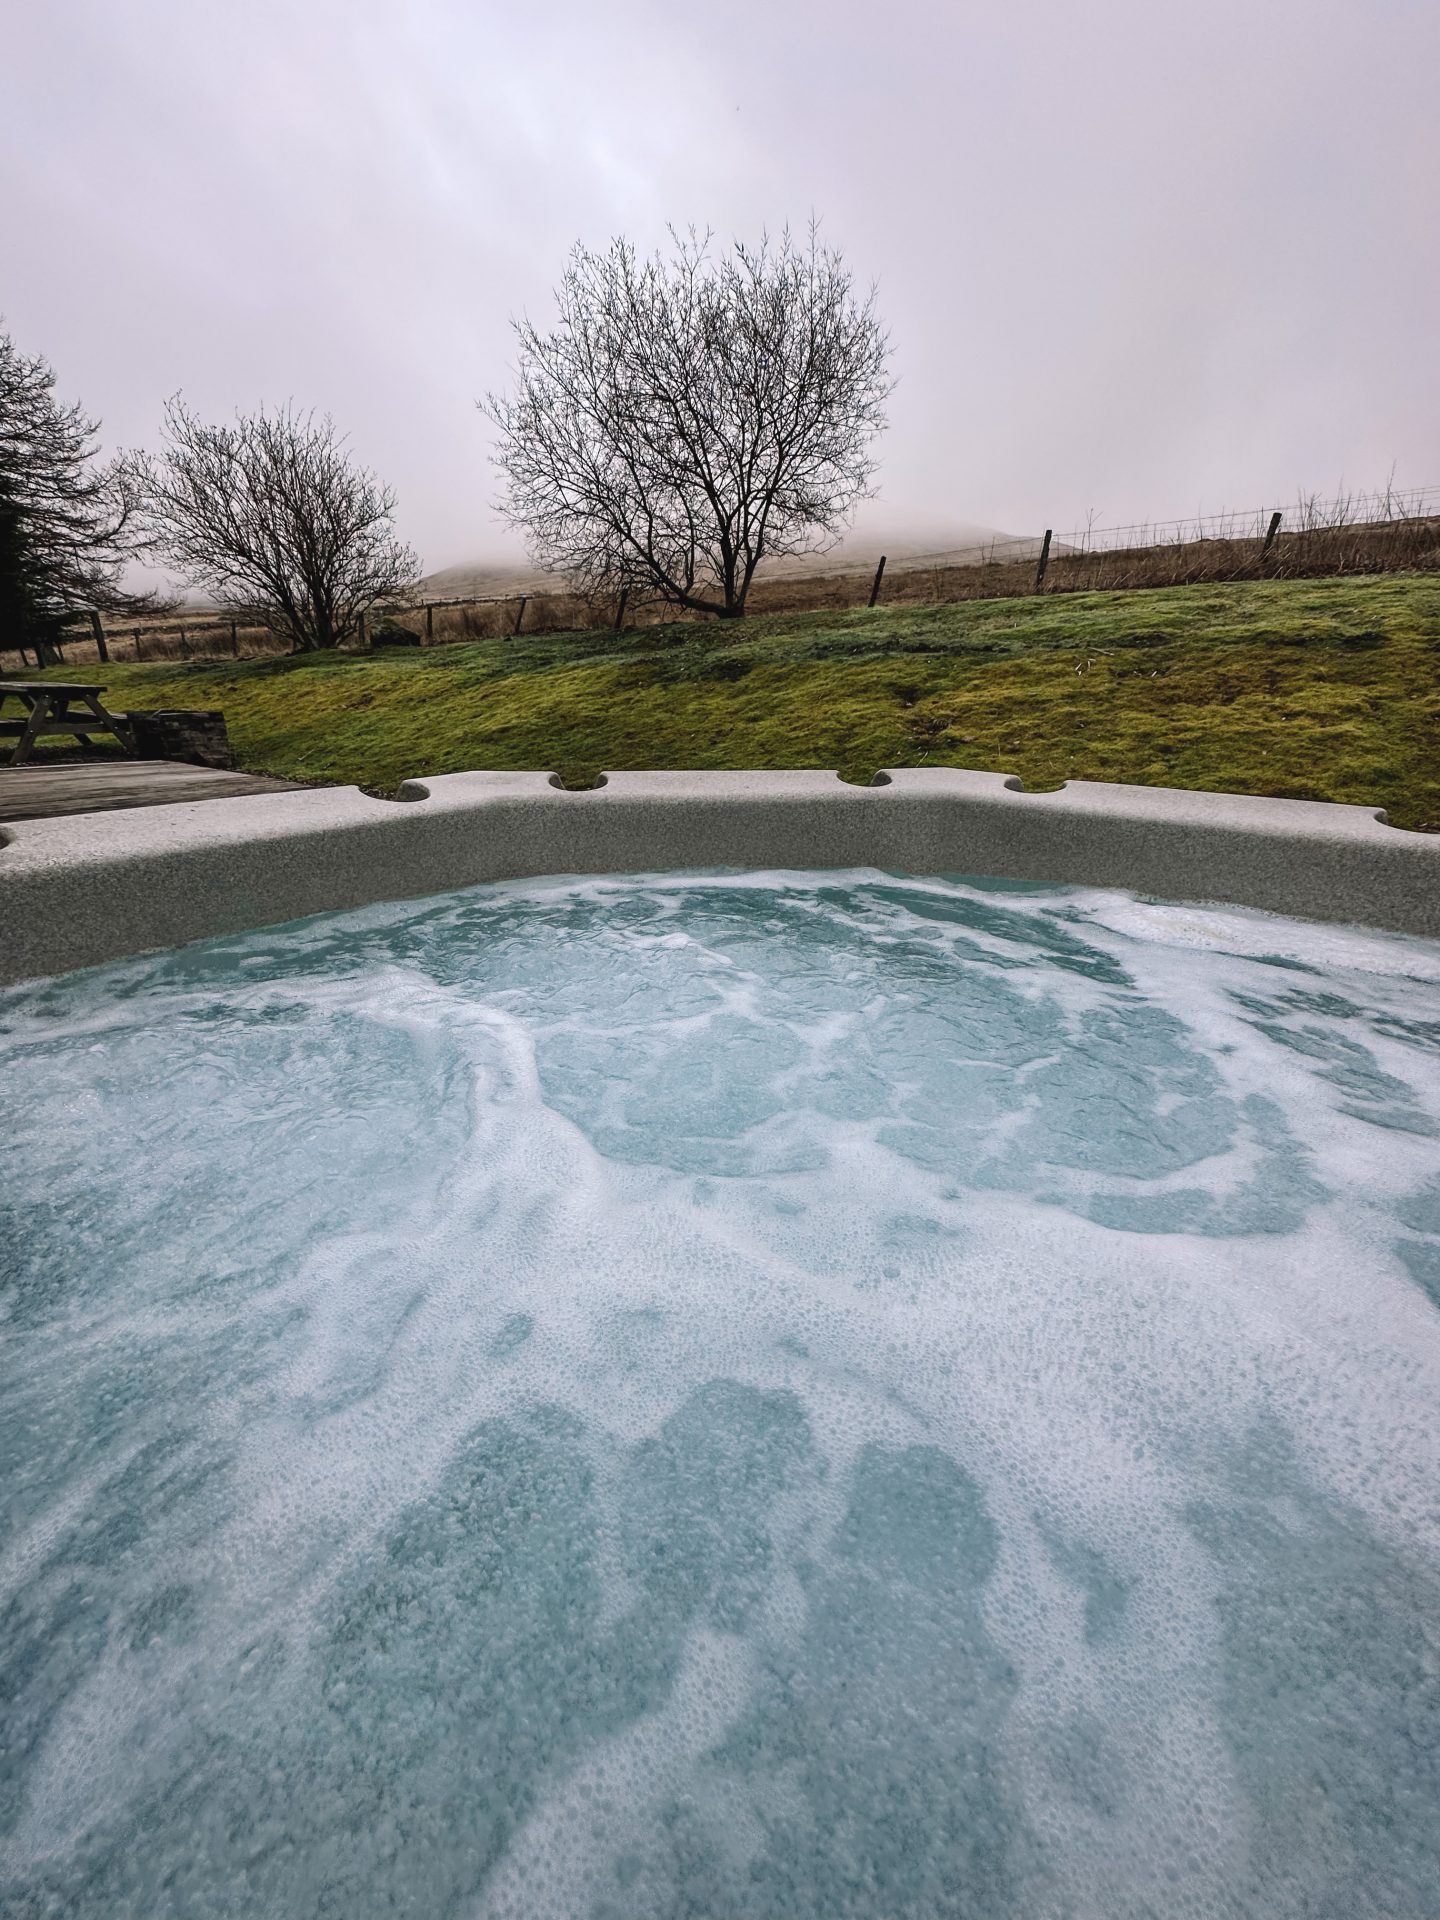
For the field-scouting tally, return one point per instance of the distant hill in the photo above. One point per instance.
(947, 546)
(481, 580)
(943, 546)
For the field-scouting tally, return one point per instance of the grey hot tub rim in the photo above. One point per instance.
(85, 889)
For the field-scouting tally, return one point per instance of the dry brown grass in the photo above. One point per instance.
(173, 638)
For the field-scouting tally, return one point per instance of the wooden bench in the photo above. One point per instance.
(57, 706)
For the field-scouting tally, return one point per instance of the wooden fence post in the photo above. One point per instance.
(235, 639)
(1044, 560)
(1270, 533)
(138, 654)
(98, 625)
(521, 614)
(620, 610)
(360, 630)
(429, 623)
(875, 583)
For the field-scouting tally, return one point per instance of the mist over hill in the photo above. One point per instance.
(947, 544)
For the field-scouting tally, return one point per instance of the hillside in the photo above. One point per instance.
(1324, 690)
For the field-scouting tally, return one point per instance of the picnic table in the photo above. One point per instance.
(57, 706)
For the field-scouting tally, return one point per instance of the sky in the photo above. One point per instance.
(1139, 260)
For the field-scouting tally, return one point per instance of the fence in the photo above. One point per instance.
(204, 636)
(1355, 533)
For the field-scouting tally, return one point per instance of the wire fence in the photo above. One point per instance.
(1391, 530)
(1391, 509)
(1353, 533)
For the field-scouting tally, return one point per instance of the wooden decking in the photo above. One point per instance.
(42, 788)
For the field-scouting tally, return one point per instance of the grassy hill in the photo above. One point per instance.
(1317, 689)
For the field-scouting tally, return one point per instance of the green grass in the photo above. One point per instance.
(1321, 690)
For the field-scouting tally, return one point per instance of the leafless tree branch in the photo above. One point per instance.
(689, 417)
(272, 517)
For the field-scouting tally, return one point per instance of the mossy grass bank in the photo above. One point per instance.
(1311, 689)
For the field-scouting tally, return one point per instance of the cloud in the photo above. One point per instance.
(1136, 258)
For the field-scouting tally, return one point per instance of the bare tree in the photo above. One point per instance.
(68, 521)
(272, 517)
(689, 417)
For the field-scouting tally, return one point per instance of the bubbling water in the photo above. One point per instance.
(725, 1395)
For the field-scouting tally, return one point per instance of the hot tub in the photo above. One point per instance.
(769, 1393)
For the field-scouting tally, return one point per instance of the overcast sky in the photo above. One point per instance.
(1138, 257)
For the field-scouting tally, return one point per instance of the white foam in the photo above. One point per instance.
(760, 1348)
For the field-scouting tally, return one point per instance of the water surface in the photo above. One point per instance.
(725, 1396)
